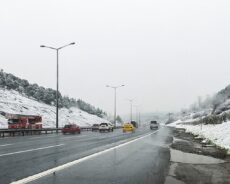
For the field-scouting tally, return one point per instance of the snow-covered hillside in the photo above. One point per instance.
(208, 118)
(13, 102)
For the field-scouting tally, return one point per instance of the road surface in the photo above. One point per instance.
(91, 157)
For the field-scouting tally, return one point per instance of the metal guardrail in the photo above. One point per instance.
(23, 132)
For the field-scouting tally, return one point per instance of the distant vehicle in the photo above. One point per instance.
(71, 129)
(154, 125)
(128, 127)
(18, 121)
(95, 127)
(106, 127)
(135, 124)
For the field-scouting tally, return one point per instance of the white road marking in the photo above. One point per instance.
(69, 137)
(75, 162)
(42, 137)
(73, 136)
(5, 145)
(30, 150)
(84, 135)
(31, 139)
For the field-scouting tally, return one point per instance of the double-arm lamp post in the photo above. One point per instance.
(131, 109)
(57, 91)
(115, 101)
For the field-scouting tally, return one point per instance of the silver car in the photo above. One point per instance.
(106, 127)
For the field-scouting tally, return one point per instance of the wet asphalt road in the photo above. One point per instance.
(144, 161)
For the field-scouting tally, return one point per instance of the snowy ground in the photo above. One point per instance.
(218, 134)
(13, 102)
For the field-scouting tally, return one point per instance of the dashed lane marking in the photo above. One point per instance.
(30, 150)
(42, 137)
(5, 145)
(75, 162)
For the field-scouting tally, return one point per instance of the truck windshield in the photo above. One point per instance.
(13, 121)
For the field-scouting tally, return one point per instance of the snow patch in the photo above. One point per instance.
(219, 134)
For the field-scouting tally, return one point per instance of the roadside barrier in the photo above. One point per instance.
(23, 132)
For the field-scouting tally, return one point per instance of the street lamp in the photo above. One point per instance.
(115, 101)
(131, 109)
(57, 91)
(137, 108)
(138, 115)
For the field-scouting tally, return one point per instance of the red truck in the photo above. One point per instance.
(18, 121)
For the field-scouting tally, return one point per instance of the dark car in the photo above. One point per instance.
(71, 129)
(95, 127)
(135, 124)
(154, 125)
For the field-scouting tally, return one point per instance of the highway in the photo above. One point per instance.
(91, 157)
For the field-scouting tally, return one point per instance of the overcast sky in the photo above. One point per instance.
(166, 52)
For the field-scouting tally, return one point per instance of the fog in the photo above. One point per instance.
(166, 53)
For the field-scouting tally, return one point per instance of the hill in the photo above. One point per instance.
(12, 101)
(44, 95)
(208, 119)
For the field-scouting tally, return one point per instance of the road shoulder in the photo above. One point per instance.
(200, 162)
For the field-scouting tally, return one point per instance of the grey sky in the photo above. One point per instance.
(165, 52)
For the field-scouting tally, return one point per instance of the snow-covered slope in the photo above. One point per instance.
(15, 103)
(219, 134)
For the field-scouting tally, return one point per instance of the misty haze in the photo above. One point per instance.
(116, 91)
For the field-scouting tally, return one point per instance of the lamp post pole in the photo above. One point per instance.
(137, 109)
(57, 91)
(140, 118)
(115, 102)
(131, 109)
(138, 114)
